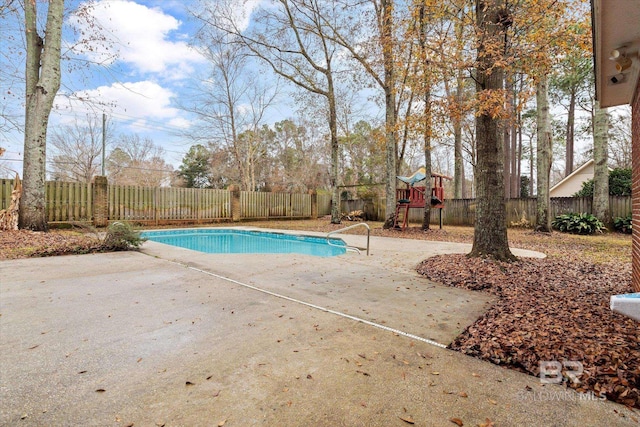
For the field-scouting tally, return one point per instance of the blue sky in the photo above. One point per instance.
(147, 65)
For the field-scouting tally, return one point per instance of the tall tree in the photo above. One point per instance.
(600, 168)
(231, 101)
(354, 35)
(490, 232)
(42, 74)
(543, 157)
(425, 81)
(290, 37)
(77, 150)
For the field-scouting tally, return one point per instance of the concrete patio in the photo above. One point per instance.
(174, 337)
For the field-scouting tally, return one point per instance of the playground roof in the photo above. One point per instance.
(418, 176)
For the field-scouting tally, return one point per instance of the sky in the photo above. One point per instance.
(148, 62)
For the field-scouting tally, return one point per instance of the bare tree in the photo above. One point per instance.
(42, 84)
(231, 102)
(289, 36)
(77, 150)
(137, 161)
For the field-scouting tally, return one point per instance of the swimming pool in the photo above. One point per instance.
(229, 241)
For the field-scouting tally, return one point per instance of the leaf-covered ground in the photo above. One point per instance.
(554, 309)
(25, 244)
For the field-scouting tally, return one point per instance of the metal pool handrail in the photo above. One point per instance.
(360, 224)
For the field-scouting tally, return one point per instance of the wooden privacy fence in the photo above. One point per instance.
(68, 202)
(463, 211)
(79, 202)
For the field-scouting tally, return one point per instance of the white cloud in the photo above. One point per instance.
(241, 12)
(136, 35)
(179, 122)
(136, 100)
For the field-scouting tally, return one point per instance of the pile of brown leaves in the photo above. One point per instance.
(550, 310)
(24, 243)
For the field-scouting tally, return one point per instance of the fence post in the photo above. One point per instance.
(314, 204)
(235, 203)
(100, 202)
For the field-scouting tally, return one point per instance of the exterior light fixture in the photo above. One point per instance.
(623, 63)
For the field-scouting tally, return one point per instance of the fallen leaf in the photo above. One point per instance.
(487, 423)
(407, 419)
(217, 393)
(35, 346)
(493, 402)
(475, 375)
(309, 377)
(366, 374)
(463, 394)
(189, 383)
(435, 373)
(221, 423)
(100, 390)
(457, 421)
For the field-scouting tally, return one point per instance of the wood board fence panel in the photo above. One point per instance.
(301, 205)
(324, 204)
(67, 201)
(258, 205)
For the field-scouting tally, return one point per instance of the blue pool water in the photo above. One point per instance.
(225, 241)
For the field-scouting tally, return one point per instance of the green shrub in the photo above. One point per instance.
(623, 225)
(121, 236)
(578, 223)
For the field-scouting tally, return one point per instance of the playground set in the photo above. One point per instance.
(413, 196)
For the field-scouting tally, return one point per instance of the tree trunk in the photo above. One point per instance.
(568, 168)
(335, 151)
(600, 205)
(543, 154)
(490, 233)
(426, 86)
(506, 134)
(390, 105)
(426, 219)
(458, 172)
(515, 154)
(531, 167)
(42, 83)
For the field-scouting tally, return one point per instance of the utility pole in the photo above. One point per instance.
(104, 139)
